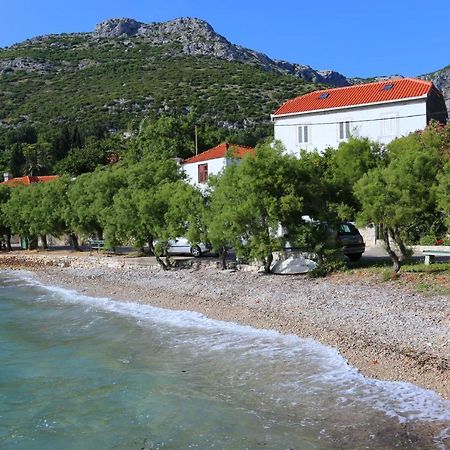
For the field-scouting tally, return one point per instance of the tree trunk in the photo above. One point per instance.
(74, 242)
(392, 254)
(168, 262)
(8, 243)
(165, 265)
(32, 243)
(268, 262)
(401, 246)
(223, 256)
(44, 242)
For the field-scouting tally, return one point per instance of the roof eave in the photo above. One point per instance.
(275, 116)
(201, 160)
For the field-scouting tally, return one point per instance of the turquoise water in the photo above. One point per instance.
(84, 373)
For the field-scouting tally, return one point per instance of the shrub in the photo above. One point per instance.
(330, 266)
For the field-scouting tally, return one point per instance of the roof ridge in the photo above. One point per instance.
(348, 95)
(389, 80)
(223, 147)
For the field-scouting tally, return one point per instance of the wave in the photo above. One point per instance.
(326, 373)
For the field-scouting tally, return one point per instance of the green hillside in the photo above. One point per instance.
(74, 78)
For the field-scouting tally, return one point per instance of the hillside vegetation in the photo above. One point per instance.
(90, 77)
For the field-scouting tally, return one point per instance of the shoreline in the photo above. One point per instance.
(382, 330)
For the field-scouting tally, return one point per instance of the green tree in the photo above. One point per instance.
(18, 212)
(157, 205)
(251, 200)
(38, 158)
(397, 195)
(91, 198)
(17, 160)
(93, 154)
(172, 135)
(346, 166)
(5, 228)
(443, 193)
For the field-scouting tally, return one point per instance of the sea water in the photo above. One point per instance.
(83, 373)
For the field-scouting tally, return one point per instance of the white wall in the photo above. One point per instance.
(364, 122)
(215, 166)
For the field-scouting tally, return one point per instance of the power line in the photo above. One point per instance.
(356, 121)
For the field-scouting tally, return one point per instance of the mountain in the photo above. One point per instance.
(125, 70)
(198, 38)
(441, 79)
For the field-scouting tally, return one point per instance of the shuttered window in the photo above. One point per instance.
(303, 134)
(344, 130)
(202, 173)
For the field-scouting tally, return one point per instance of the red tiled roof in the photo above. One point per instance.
(26, 181)
(220, 151)
(359, 94)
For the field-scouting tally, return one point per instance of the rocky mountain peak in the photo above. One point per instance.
(198, 38)
(112, 28)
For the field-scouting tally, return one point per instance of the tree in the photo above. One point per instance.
(157, 205)
(251, 200)
(443, 193)
(173, 136)
(346, 166)
(91, 198)
(397, 195)
(38, 158)
(93, 154)
(17, 160)
(18, 212)
(5, 228)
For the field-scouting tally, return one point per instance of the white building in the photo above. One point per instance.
(380, 111)
(211, 162)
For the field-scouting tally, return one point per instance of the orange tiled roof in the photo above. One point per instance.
(360, 94)
(26, 181)
(220, 152)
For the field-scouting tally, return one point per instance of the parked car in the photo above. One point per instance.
(351, 241)
(344, 236)
(181, 246)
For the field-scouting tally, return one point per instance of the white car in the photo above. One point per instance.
(181, 246)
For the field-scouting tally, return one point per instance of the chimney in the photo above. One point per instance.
(6, 176)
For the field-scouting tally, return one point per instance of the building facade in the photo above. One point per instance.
(380, 111)
(211, 162)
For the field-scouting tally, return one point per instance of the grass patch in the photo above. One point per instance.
(389, 275)
(442, 268)
(431, 288)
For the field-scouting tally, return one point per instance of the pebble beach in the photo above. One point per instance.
(383, 329)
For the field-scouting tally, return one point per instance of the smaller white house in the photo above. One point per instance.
(211, 162)
(381, 111)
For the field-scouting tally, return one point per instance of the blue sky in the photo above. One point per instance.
(356, 38)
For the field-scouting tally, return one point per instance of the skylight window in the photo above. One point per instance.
(324, 95)
(388, 87)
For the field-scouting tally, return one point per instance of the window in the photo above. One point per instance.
(324, 95)
(202, 173)
(388, 87)
(303, 134)
(344, 130)
(388, 125)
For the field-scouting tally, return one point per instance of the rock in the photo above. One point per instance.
(198, 38)
(112, 28)
(23, 64)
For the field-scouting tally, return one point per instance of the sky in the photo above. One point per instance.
(356, 38)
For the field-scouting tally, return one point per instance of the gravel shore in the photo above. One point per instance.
(384, 330)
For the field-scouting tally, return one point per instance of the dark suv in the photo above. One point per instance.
(350, 239)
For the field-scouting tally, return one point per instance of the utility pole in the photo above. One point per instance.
(196, 139)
